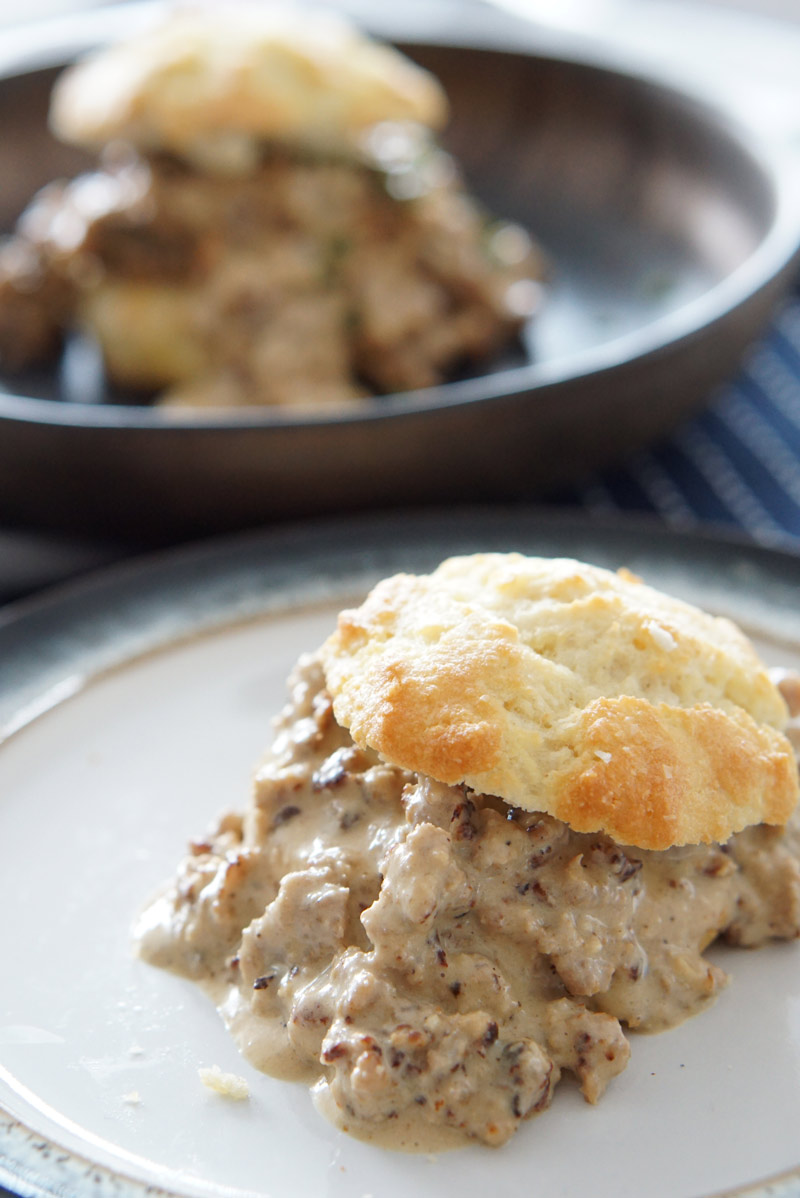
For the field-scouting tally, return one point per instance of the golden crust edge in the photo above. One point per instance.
(689, 775)
(748, 769)
(373, 81)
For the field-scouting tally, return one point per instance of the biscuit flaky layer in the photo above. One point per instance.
(566, 688)
(258, 70)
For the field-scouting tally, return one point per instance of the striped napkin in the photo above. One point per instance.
(736, 465)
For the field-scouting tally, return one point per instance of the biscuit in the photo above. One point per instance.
(205, 77)
(566, 688)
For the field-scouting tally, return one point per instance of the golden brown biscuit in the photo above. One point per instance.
(566, 688)
(210, 83)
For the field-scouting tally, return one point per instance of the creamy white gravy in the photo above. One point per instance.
(432, 960)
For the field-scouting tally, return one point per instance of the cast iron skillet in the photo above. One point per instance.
(671, 233)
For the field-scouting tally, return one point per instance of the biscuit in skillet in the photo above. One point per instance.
(207, 76)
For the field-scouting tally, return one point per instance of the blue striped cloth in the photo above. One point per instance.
(737, 464)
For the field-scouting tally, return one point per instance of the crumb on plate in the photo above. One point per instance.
(229, 1085)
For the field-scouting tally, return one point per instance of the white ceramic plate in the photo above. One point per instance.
(135, 707)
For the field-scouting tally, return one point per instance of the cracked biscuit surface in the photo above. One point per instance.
(569, 689)
(243, 69)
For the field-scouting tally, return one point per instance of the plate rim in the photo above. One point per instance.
(769, 266)
(25, 1153)
(307, 534)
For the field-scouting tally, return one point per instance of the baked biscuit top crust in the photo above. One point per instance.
(253, 71)
(565, 688)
